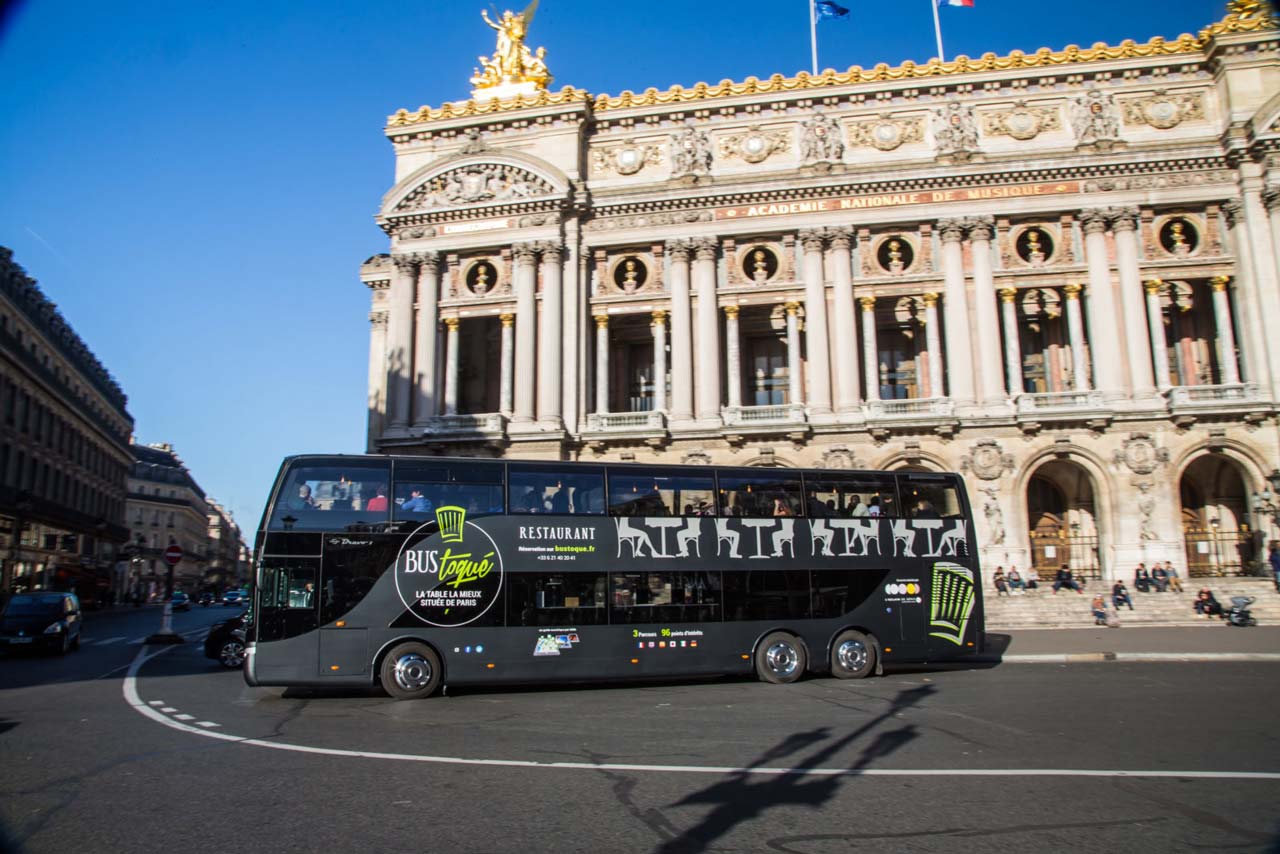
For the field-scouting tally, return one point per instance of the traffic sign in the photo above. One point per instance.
(173, 554)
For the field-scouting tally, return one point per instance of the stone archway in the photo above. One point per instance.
(1062, 520)
(1215, 522)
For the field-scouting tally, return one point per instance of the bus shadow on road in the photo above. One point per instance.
(747, 794)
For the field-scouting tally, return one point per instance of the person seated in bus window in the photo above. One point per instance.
(304, 501)
(417, 502)
(379, 500)
(873, 507)
(781, 507)
(857, 508)
(924, 510)
(817, 507)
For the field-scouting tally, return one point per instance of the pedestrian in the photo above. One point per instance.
(1016, 585)
(1002, 586)
(1274, 558)
(1160, 578)
(1063, 578)
(1142, 579)
(1033, 578)
(1120, 595)
(1206, 603)
(1099, 607)
(1175, 581)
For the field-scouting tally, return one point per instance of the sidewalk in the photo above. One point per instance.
(1214, 641)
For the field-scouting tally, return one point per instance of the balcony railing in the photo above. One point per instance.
(763, 416)
(485, 422)
(920, 407)
(1212, 395)
(624, 422)
(1059, 402)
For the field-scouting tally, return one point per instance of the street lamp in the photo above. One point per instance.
(1266, 502)
(1217, 563)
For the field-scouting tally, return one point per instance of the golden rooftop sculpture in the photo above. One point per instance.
(521, 78)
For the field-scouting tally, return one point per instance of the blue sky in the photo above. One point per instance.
(194, 183)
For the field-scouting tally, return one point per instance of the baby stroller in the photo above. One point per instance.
(1238, 614)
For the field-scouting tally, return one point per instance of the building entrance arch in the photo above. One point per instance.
(1215, 521)
(1062, 520)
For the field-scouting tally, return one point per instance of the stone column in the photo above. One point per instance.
(451, 366)
(1249, 304)
(377, 378)
(1075, 329)
(602, 363)
(708, 336)
(986, 317)
(870, 354)
(1012, 345)
(400, 341)
(1155, 331)
(937, 388)
(424, 345)
(794, 385)
(1266, 269)
(956, 311)
(551, 338)
(681, 333)
(733, 355)
(526, 332)
(1124, 224)
(1226, 334)
(845, 347)
(506, 367)
(1105, 332)
(659, 325)
(818, 350)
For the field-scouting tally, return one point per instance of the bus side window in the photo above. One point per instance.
(322, 496)
(765, 494)
(931, 497)
(547, 488)
(635, 491)
(850, 495)
(556, 599)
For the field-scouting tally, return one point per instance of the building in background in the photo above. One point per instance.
(64, 450)
(227, 566)
(166, 507)
(1054, 271)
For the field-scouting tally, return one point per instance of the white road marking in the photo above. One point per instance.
(156, 703)
(168, 710)
(206, 723)
(138, 640)
(130, 691)
(185, 717)
(106, 641)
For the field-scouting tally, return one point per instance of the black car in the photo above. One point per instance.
(207, 598)
(41, 620)
(225, 642)
(180, 601)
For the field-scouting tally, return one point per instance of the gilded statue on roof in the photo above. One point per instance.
(1247, 8)
(512, 64)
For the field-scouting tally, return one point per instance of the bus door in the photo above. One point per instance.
(287, 617)
(350, 569)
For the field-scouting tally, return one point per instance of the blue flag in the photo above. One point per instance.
(830, 9)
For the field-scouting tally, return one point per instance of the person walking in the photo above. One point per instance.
(1274, 558)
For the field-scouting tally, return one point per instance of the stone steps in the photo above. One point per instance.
(1069, 609)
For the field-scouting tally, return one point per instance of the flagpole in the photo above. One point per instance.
(937, 30)
(813, 35)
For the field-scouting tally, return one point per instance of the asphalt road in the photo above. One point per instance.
(1082, 757)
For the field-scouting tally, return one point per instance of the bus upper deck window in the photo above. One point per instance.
(551, 489)
(931, 498)
(322, 496)
(833, 495)
(636, 491)
(766, 494)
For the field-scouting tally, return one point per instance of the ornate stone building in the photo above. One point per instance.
(1055, 272)
(166, 507)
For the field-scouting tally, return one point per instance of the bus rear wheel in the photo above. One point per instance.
(780, 658)
(411, 671)
(853, 656)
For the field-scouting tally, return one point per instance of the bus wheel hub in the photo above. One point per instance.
(781, 658)
(852, 655)
(412, 672)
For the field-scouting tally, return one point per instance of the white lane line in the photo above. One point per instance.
(185, 717)
(156, 703)
(138, 640)
(206, 723)
(106, 641)
(168, 710)
(130, 691)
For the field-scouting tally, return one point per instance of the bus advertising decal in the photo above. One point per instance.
(905, 591)
(551, 643)
(952, 601)
(452, 577)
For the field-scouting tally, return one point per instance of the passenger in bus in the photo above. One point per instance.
(781, 508)
(924, 510)
(559, 501)
(873, 509)
(416, 502)
(858, 509)
(379, 500)
(304, 501)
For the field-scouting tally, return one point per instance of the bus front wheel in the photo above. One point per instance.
(853, 656)
(780, 658)
(411, 671)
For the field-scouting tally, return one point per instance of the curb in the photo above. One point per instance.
(1094, 657)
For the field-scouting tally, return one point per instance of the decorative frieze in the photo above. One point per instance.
(1163, 111)
(885, 132)
(820, 140)
(626, 159)
(492, 182)
(1095, 120)
(690, 152)
(955, 133)
(1021, 121)
(754, 145)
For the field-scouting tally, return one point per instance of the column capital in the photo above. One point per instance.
(1219, 283)
(951, 230)
(1124, 219)
(602, 321)
(930, 299)
(1008, 294)
(867, 303)
(705, 248)
(1234, 209)
(525, 252)
(452, 322)
(1073, 290)
(841, 237)
(678, 250)
(731, 312)
(1094, 220)
(812, 239)
(1153, 286)
(378, 319)
(428, 262)
(406, 264)
(981, 227)
(551, 251)
(507, 318)
(792, 307)
(659, 317)
(1271, 197)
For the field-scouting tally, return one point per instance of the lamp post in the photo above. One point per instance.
(1217, 563)
(1265, 502)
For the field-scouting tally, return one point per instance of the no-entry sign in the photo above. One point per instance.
(172, 555)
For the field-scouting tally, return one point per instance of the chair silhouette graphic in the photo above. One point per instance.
(906, 535)
(724, 534)
(954, 539)
(820, 533)
(689, 534)
(632, 537)
(786, 536)
(868, 533)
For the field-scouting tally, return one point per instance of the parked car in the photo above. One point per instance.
(41, 620)
(181, 601)
(207, 598)
(225, 642)
(232, 597)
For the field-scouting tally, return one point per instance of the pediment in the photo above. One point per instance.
(473, 183)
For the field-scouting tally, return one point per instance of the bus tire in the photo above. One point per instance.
(410, 671)
(853, 656)
(780, 658)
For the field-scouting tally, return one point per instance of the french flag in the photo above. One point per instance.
(968, 3)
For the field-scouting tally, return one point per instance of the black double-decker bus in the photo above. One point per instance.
(421, 571)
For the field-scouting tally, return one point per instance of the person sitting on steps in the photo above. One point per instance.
(1063, 578)
(1002, 587)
